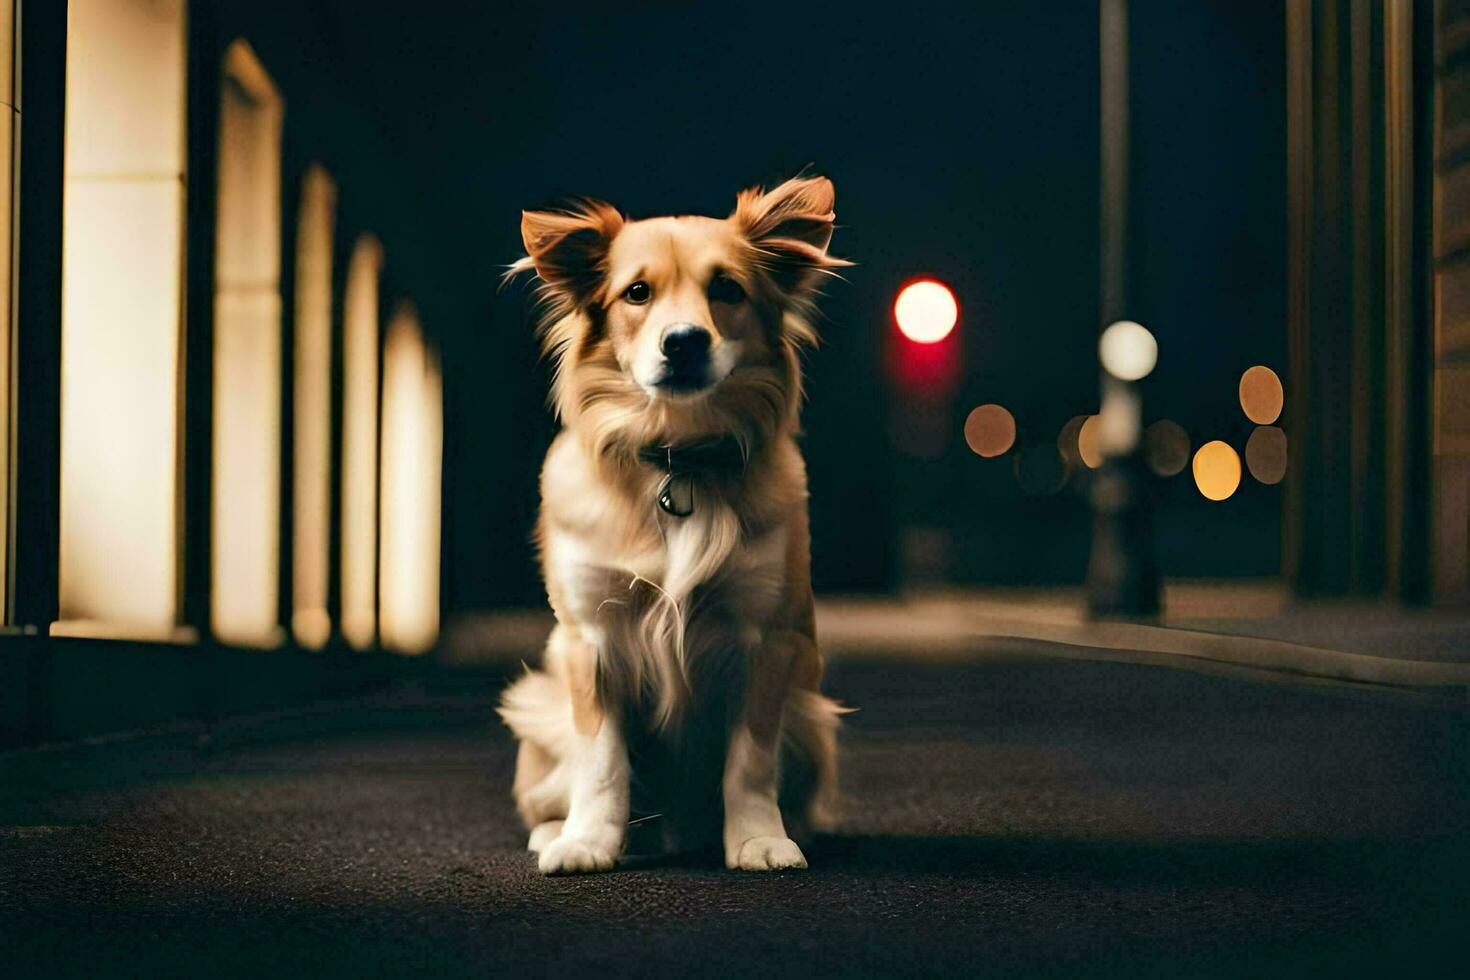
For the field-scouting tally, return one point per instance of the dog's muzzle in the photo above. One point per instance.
(686, 351)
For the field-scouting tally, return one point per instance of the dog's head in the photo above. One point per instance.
(675, 328)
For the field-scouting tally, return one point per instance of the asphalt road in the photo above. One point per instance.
(1021, 818)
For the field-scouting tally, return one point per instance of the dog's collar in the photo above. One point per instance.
(725, 454)
(681, 464)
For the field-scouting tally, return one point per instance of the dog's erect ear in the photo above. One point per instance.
(568, 248)
(791, 228)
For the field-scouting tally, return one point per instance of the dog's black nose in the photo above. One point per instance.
(685, 342)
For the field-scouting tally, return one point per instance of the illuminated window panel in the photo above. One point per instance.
(312, 417)
(413, 419)
(7, 230)
(245, 548)
(360, 444)
(122, 263)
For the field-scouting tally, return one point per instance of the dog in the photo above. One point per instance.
(680, 688)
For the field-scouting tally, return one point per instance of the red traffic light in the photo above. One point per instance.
(926, 311)
(924, 346)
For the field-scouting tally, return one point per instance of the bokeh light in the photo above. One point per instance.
(1265, 454)
(990, 430)
(1261, 396)
(1119, 420)
(1216, 470)
(1067, 442)
(926, 311)
(1128, 351)
(1166, 447)
(1089, 442)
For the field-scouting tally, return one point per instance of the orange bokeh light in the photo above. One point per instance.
(1166, 447)
(1261, 395)
(990, 431)
(1089, 441)
(1216, 470)
(926, 311)
(1265, 454)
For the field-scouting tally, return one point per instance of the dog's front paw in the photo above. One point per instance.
(543, 834)
(765, 854)
(576, 855)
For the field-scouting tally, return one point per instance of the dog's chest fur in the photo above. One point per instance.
(665, 599)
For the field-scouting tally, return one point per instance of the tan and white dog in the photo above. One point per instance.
(680, 687)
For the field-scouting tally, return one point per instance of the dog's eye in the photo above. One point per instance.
(638, 293)
(723, 289)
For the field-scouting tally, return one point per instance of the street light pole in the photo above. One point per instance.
(1113, 157)
(1122, 574)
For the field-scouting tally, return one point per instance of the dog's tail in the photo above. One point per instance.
(809, 794)
(538, 709)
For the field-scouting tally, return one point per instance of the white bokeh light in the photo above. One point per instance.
(926, 311)
(1128, 351)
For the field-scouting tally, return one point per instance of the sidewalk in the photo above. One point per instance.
(1016, 817)
(1253, 629)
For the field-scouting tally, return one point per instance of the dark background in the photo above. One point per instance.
(963, 142)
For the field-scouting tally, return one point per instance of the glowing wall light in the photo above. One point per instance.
(360, 444)
(247, 357)
(413, 419)
(122, 262)
(312, 404)
(8, 126)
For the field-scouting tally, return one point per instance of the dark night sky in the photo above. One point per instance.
(963, 143)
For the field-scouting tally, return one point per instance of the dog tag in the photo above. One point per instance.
(676, 494)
